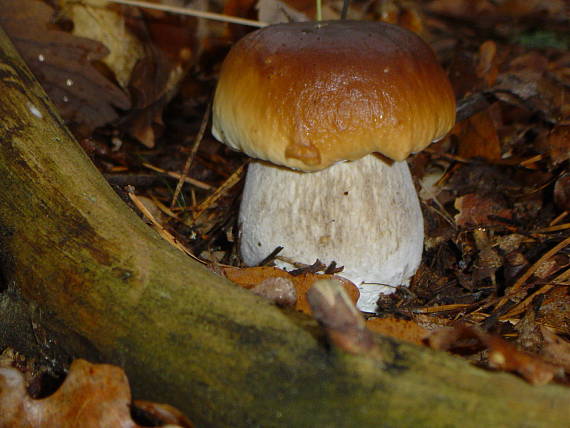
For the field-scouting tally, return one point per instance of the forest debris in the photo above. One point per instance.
(559, 144)
(562, 192)
(502, 355)
(530, 271)
(165, 234)
(529, 89)
(521, 307)
(554, 311)
(476, 209)
(404, 13)
(278, 12)
(197, 183)
(280, 291)
(343, 323)
(191, 155)
(487, 68)
(406, 330)
(519, 8)
(172, 46)
(163, 414)
(478, 138)
(556, 350)
(152, 84)
(107, 26)
(210, 201)
(64, 64)
(98, 395)
(251, 277)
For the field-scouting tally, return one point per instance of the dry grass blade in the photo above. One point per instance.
(192, 12)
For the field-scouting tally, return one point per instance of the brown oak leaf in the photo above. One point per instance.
(64, 64)
(92, 396)
(502, 355)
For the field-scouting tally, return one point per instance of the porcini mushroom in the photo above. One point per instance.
(316, 102)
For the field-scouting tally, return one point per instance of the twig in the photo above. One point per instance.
(473, 104)
(559, 218)
(165, 234)
(218, 193)
(344, 11)
(192, 12)
(556, 228)
(271, 256)
(441, 308)
(199, 184)
(520, 282)
(190, 157)
(343, 324)
(521, 307)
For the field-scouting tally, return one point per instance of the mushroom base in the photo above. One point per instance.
(364, 215)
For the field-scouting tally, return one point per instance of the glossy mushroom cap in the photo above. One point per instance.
(307, 95)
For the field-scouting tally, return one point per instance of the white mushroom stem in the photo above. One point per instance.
(364, 215)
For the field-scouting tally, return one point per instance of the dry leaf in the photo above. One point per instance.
(280, 291)
(275, 12)
(527, 86)
(401, 12)
(165, 413)
(406, 330)
(64, 65)
(92, 395)
(172, 48)
(502, 355)
(562, 192)
(478, 138)
(554, 311)
(250, 277)
(555, 350)
(559, 144)
(487, 68)
(462, 8)
(479, 210)
(519, 8)
(96, 22)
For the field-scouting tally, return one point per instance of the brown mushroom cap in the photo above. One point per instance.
(306, 95)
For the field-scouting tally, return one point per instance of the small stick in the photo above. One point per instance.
(343, 324)
(192, 12)
(190, 157)
(521, 307)
(522, 279)
(199, 184)
(271, 256)
(218, 193)
(344, 12)
(165, 234)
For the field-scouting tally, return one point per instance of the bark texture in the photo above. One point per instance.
(185, 336)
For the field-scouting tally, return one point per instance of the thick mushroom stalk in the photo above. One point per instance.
(364, 215)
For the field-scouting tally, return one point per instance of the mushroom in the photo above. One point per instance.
(331, 110)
